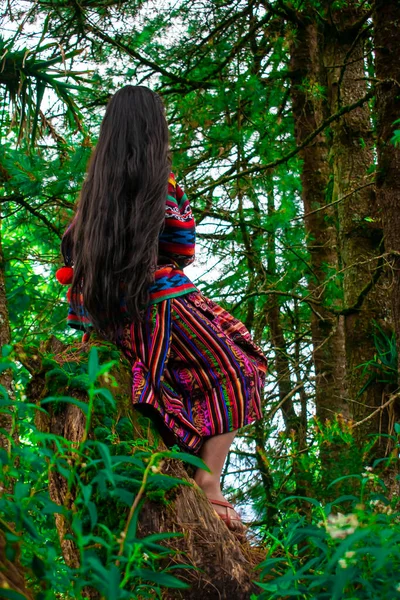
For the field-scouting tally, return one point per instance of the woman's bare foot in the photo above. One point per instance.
(219, 503)
(214, 452)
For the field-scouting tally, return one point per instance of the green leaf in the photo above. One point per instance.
(6, 350)
(105, 368)
(93, 364)
(28, 523)
(156, 537)
(9, 594)
(21, 490)
(51, 507)
(124, 496)
(92, 513)
(312, 501)
(188, 458)
(69, 400)
(97, 566)
(166, 482)
(107, 395)
(114, 579)
(86, 492)
(106, 456)
(346, 544)
(359, 477)
(162, 579)
(38, 567)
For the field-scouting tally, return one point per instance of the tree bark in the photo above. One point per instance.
(360, 233)
(11, 574)
(226, 570)
(387, 50)
(327, 330)
(6, 377)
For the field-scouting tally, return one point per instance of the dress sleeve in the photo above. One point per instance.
(77, 318)
(178, 239)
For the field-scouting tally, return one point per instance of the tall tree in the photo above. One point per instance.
(387, 45)
(5, 337)
(360, 235)
(308, 78)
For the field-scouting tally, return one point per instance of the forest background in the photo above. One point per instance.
(284, 133)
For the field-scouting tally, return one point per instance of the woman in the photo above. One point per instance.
(194, 366)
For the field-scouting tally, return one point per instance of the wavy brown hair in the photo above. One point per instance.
(113, 239)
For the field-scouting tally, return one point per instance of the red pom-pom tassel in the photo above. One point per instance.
(65, 275)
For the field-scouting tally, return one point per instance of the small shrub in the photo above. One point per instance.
(330, 555)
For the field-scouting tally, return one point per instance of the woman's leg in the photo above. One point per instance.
(214, 452)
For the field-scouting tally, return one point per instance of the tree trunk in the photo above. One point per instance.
(387, 50)
(360, 233)
(320, 221)
(6, 377)
(274, 320)
(11, 574)
(296, 426)
(226, 571)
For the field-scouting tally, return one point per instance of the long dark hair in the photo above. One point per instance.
(113, 240)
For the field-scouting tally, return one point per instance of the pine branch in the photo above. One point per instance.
(191, 83)
(22, 202)
(262, 168)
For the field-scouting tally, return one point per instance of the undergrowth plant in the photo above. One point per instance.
(346, 549)
(107, 484)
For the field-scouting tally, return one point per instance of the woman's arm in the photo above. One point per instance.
(77, 317)
(178, 238)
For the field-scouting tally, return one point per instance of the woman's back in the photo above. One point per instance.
(176, 250)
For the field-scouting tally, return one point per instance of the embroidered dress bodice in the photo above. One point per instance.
(176, 250)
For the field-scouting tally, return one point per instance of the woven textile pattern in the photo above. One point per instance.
(176, 250)
(197, 366)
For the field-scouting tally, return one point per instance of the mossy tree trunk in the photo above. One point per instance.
(5, 336)
(224, 569)
(387, 51)
(360, 232)
(387, 65)
(308, 83)
(309, 105)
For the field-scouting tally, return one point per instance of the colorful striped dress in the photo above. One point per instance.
(193, 364)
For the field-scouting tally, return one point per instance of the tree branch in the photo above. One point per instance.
(261, 168)
(145, 61)
(22, 202)
(392, 399)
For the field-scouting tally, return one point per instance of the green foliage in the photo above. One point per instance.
(27, 72)
(383, 367)
(109, 479)
(333, 555)
(224, 70)
(396, 135)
